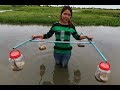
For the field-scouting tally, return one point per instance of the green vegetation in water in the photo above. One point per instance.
(43, 15)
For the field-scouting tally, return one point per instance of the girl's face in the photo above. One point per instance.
(66, 16)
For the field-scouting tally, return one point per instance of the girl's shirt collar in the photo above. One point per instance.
(62, 24)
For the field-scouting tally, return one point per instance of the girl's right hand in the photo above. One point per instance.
(37, 36)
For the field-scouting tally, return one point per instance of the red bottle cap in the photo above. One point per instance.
(104, 66)
(15, 54)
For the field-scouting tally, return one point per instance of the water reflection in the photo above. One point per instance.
(77, 77)
(50, 74)
(42, 71)
(46, 73)
(57, 75)
(53, 74)
(74, 71)
(60, 76)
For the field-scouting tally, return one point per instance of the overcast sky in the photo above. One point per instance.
(99, 6)
(95, 6)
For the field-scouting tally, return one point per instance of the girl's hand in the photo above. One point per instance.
(89, 38)
(41, 36)
(37, 36)
(34, 36)
(84, 37)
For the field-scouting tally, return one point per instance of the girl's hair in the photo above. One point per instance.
(66, 8)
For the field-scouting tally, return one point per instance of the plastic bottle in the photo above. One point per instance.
(16, 60)
(62, 35)
(102, 71)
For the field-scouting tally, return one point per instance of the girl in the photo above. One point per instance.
(63, 29)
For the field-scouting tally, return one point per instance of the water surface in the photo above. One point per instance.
(82, 64)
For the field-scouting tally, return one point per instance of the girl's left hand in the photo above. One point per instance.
(89, 38)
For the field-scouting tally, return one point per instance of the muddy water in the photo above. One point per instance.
(40, 68)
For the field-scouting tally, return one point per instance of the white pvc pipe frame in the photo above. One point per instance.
(78, 42)
(46, 41)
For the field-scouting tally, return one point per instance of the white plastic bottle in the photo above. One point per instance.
(102, 71)
(62, 35)
(16, 60)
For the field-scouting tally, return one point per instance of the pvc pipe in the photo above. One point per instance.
(22, 43)
(100, 53)
(42, 41)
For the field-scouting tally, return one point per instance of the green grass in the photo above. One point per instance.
(48, 15)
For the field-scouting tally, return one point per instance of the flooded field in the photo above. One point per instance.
(40, 68)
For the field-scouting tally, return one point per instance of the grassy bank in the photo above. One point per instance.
(48, 15)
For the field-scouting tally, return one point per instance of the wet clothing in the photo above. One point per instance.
(62, 32)
(62, 51)
(62, 59)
